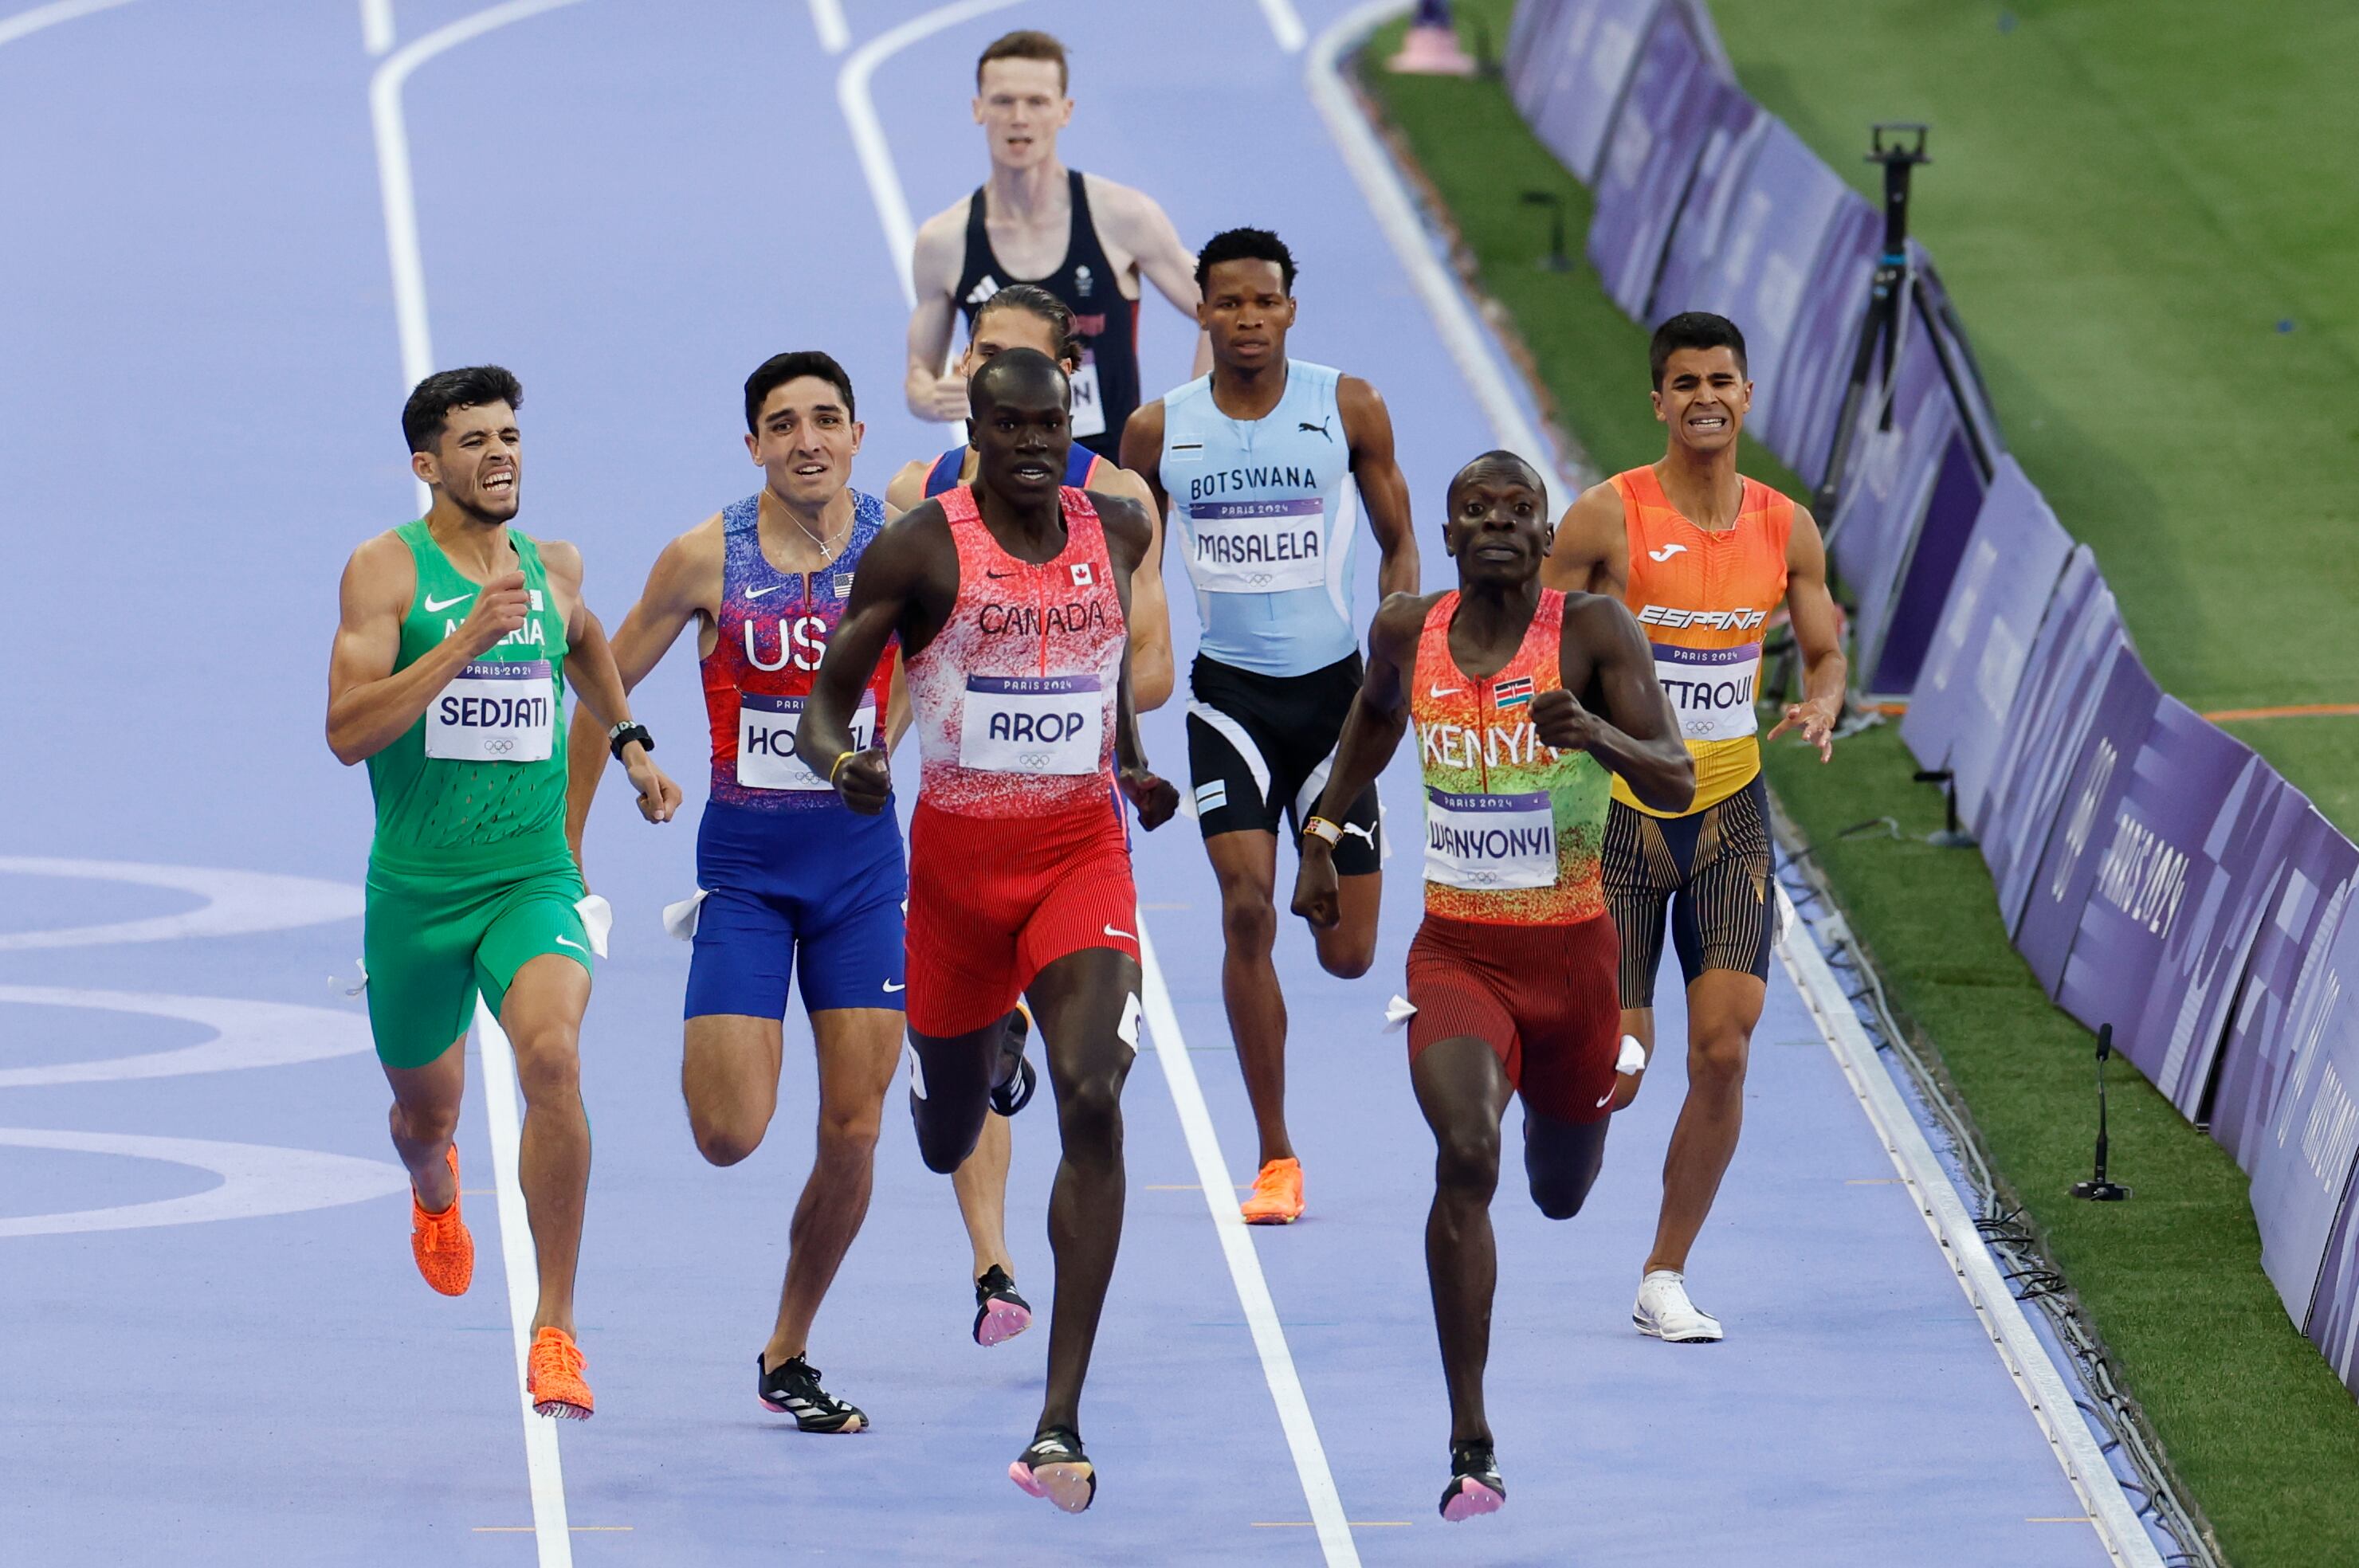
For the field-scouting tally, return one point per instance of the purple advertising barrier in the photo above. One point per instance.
(2065, 672)
(1957, 715)
(1927, 570)
(2162, 877)
(1535, 45)
(1738, 129)
(1650, 153)
(1576, 98)
(2100, 776)
(2307, 890)
(2302, 1162)
(1886, 490)
(2334, 1311)
(1826, 335)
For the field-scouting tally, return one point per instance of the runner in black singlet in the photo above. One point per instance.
(1083, 238)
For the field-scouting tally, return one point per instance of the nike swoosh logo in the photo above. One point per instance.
(1666, 553)
(1444, 691)
(572, 944)
(758, 593)
(998, 574)
(436, 606)
(1605, 1099)
(1112, 932)
(891, 987)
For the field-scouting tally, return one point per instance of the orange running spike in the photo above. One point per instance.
(553, 1376)
(444, 1251)
(1277, 1194)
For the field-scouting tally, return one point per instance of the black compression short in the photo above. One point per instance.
(1259, 748)
(1712, 869)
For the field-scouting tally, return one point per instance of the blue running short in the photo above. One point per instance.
(827, 884)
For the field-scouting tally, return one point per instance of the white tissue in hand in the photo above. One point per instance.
(597, 921)
(680, 919)
(1399, 1012)
(1633, 1058)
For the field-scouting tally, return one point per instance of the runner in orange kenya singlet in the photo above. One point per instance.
(1702, 557)
(1527, 701)
(1010, 600)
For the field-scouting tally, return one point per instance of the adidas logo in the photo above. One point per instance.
(982, 290)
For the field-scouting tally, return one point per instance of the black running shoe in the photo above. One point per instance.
(793, 1389)
(1474, 1484)
(1013, 1091)
(1055, 1467)
(1000, 1314)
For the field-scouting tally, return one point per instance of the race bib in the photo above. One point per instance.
(1258, 546)
(1488, 842)
(1033, 724)
(494, 710)
(1711, 688)
(1089, 408)
(765, 741)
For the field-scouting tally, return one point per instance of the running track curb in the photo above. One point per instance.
(2027, 1360)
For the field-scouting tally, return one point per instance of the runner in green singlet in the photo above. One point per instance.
(449, 679)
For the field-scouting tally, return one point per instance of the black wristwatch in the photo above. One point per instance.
(622, 734)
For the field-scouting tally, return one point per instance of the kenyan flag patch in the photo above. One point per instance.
(1517, 693)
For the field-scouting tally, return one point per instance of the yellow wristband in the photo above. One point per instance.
(1319, 827)
(837, 766)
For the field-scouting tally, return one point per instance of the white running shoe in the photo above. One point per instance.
(1665, 1313)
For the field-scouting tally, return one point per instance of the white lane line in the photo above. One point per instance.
(548, 1520)
(244, 1034)
(553, 1540)
(236, 902)
(24, 23)
(398, 191)
(256, 1179)
(1244, 1266)
(852, 92)
(827, 20)
(2011, 1334)
(1395, 213)
(1285, 25)
(376, 26)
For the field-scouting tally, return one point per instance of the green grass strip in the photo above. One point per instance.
(2098, 239)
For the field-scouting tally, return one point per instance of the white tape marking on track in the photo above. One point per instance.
(1244, 1266)
(395, 187)
(376, 26)
(1286, 25)
(237, 903)
(1395, 213)
(256, 1179)
(245, 1035)
(827, 20)
(24, 23)
(2019, 1346)
(852, 92)
(548, 1520)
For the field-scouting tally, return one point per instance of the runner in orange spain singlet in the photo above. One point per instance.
(1010, 600)
(1702, 557)
(1526, 701)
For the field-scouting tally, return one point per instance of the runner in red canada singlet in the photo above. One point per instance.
(1011, 602)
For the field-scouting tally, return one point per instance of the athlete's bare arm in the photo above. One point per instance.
(369, 705)
(1368, 428)
(590, 670)
(1372, 733)
(1148, 608)
(1818, 632)
(907, 586)
(1130, 536)
(1637, 736)
(907, 488)
(684, 584)
(932, 392)
(1142, 455)
(1132, 223)
(1591, 553)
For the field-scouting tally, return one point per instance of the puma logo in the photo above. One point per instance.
(1319, 428)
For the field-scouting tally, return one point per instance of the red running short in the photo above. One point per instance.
(1544, 998)
(995, 900)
